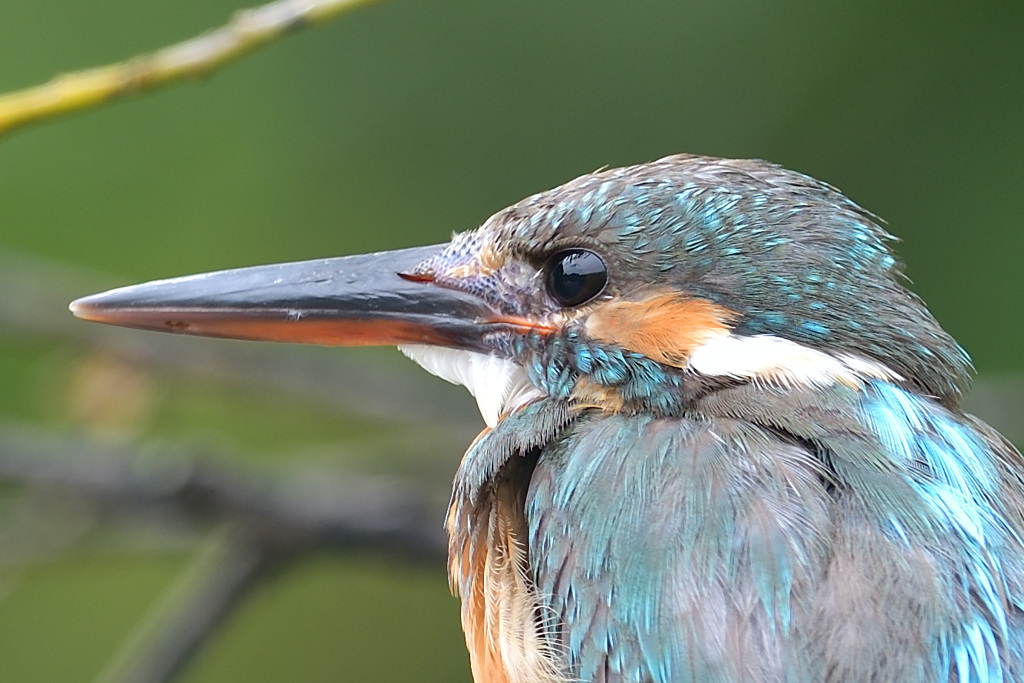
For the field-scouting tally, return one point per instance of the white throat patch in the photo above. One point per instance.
(499, 385)
(780, 361)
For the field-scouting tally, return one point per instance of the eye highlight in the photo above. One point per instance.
(575, 276)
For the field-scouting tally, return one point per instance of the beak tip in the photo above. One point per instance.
(86, 307)
(79, 307)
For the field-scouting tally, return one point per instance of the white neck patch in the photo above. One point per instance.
(499, 385)
(781, 361)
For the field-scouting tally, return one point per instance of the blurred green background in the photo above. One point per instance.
(394, 126)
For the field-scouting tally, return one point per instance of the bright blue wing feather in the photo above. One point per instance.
(707, 548)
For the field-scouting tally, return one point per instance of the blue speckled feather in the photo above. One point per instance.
(875, 541)
(670, 547)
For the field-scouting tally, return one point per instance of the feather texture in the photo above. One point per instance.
(715, 549)
(509, 631)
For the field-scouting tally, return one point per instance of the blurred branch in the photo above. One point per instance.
(247, 30)
(262, 524)
(291, 511)
(220, 577)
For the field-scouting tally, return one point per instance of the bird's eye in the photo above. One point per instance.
(575, 276)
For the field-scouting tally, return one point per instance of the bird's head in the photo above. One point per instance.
(628, 289)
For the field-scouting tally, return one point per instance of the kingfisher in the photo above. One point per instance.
(724, 441)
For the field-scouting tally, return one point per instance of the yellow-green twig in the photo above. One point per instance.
(247, 30)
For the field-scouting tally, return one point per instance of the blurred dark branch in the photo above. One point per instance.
(224, 574)
(238, 569)
(247, 30)
(296, 509)
(266, 521)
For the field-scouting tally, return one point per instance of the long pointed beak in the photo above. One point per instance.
(348, 301)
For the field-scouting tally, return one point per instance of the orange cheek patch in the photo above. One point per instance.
(664, 327)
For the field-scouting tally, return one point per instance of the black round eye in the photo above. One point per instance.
(575, 276)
